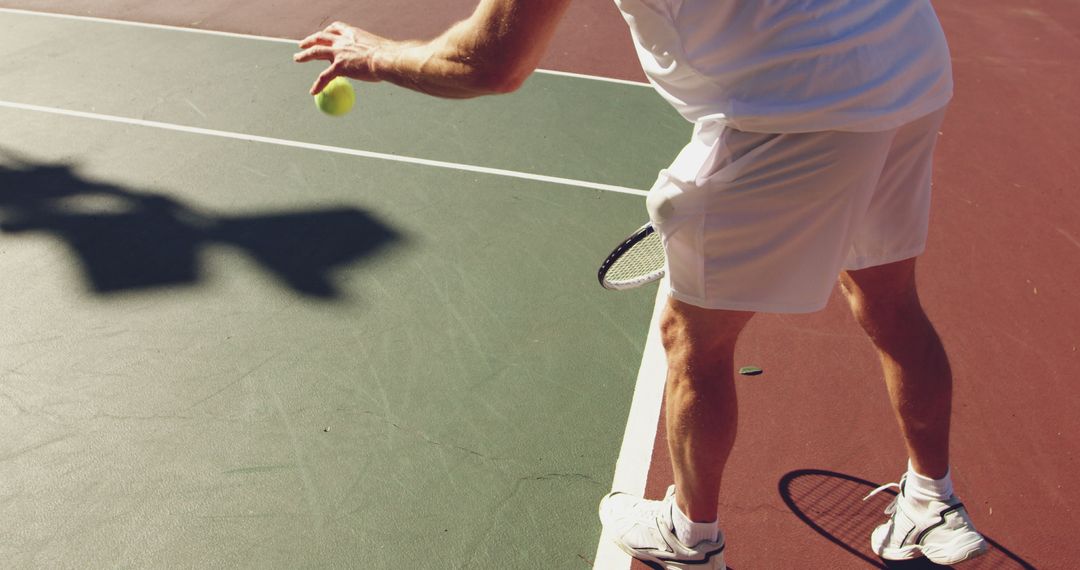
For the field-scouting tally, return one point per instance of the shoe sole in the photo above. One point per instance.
(656, 564)
(958, 551)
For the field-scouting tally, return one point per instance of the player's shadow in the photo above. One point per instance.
(127, 239)
(832, 505)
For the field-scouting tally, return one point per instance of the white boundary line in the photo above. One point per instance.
(594, 77)
(325, 148)
(262, 38)
(635, 456)
(145, 25)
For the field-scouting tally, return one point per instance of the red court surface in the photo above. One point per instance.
(998, 280)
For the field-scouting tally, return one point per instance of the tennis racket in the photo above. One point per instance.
(638, 260)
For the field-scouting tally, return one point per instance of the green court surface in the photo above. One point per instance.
(245, 346)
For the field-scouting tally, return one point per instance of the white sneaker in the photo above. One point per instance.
(939, 530)
(643, 529)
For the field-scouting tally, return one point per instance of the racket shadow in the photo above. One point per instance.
(832, 505)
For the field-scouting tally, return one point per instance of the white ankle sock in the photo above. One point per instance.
(690, 532)
(922, 488)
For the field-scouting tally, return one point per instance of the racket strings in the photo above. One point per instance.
(642, 259)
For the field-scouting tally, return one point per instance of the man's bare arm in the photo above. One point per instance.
(492, 51)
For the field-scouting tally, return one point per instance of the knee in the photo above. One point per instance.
(676, 336)
(858, 302)
(699, 335)
(884, 317)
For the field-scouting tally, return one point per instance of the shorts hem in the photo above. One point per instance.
(750, 306)
(866, 262)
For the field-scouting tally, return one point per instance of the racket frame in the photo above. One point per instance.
(633, 239)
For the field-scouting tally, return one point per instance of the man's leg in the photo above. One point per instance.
(926, 519)
(885, 302)
(700, 400)
(681, 530)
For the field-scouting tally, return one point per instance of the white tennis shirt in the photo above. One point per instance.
(785, 66)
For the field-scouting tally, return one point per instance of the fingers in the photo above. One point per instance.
(325, 36)
(326, 77)
(321, 46)
(315, 52)
(338, 28)
(318, 39)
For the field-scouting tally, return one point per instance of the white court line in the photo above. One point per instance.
(132, 24)
(594, 77)
(262, 38)
(326, 148)
(635, 456)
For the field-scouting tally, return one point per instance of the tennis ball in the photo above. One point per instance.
(336, 98)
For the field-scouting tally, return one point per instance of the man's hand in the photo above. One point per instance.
(350, 51)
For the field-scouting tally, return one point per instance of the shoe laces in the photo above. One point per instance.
(891, 509)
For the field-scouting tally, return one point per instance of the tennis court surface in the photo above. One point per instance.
(239, 333)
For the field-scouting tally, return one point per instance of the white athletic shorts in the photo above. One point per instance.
(765, 222)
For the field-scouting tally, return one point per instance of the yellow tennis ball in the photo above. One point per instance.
(336, 98)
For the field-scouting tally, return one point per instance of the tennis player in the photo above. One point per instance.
(811, 157)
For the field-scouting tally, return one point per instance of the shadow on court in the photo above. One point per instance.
(126, 239)
(832, 505)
